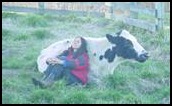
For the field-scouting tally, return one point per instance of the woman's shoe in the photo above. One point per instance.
(36, 82)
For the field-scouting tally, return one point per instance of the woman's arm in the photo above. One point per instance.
(54, 61)
(58, 59)
(64, 53)
(77, 63)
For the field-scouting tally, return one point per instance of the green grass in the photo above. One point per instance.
(167, 19)
(41, 34)
(22, 36)
(34, 21)
(25, 35)
(41, 96)
(147, 17)
(5, 34)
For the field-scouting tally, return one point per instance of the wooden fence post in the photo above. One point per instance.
(41, 7)
(159, 6)
(109, 14)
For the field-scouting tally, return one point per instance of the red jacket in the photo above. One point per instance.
(79, 66)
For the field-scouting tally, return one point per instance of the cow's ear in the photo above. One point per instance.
(118, 33)
(110, 38)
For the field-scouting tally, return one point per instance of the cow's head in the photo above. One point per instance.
(126, 46)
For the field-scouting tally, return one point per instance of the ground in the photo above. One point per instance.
(25, 35)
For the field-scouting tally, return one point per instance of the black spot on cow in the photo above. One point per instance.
(100, 57)
(113, 39)
(124, 47)
(109, 54)
(118, 33)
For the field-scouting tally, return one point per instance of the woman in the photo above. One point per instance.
(72, 64)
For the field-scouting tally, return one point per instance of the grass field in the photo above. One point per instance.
(25, 35)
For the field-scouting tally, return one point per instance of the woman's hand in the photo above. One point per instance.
(49, 60)
(54, 61)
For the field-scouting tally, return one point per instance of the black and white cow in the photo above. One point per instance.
(105, 53)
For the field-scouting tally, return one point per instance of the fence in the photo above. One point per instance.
(128, 12)
(79, 8)
(132, 13)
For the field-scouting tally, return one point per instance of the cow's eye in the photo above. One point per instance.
(128, 44)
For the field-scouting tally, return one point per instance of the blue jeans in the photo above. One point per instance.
(59, 72)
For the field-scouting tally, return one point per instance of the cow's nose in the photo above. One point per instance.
(144, 55)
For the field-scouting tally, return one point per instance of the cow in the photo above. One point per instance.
(105, 53)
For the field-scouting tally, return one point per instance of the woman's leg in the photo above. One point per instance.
(47, 72)
(57, 71)
(53, 72)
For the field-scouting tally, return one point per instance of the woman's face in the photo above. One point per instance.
(76, 43)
